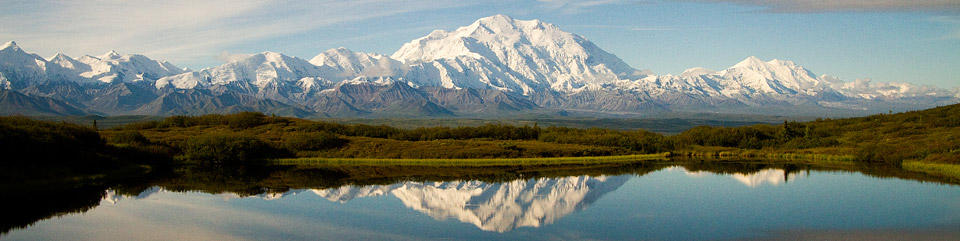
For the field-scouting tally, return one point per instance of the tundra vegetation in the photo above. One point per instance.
(924, 141)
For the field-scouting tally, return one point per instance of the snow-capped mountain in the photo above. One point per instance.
(348, 64)
(498, 207)
(754, 83)
(19, 68)
(28, 69)
(113, 66)
(511, 55)
(496, 65)
(259, 70)
(775, 77)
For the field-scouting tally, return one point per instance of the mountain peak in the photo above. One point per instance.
(10, 44)
(536, 55)
(59, 55)
(697, 71)
(268, 56)
(497, 31)
(749, 62)
(499, 18)
(782, 62)
(276, 57)
(774, 76)
(271, 53)
(349, 63)
(110, 55)
(754, 62)
(339, 51)
(503, 24)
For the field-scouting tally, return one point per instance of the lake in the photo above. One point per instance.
(662, 202)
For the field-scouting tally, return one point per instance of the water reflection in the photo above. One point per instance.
(770, 176)
(496, 201)
(496, 207)
(112, 197)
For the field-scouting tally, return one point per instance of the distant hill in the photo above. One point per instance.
(14, 103)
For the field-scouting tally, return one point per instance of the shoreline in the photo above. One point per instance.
(948, 171)
(473, 162)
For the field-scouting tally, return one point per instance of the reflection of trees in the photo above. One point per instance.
(279, 179)
(748, 167)
(32, 200)
(740, 167)
(40, 200)
(28, 206)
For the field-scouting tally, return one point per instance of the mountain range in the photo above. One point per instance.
(494, 206)
(495, 66)
(498, 207)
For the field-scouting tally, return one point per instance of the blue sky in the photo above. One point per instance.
(885, 40)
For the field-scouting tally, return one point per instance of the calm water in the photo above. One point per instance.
(669, 203)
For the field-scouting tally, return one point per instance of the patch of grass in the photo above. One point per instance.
(364, 147)
(951, 171)
(826, 156)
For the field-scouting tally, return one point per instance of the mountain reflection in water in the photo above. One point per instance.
(492, 206)
(769, 176)
(496, 207)
(462, 203)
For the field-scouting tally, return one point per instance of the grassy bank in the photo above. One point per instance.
(951, 171)
(475, 162)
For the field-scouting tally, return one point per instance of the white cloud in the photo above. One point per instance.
(230, 57)
(643, 28)
(653, 28)
(574, 6)
(950, 22)
(179, 30)
(846, 5)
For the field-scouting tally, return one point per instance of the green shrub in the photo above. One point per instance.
(311, 141)
(880, 153)
(241, 120)
(140, 125)
(244, 120)
(25, 139)
(40, 149)
(225, 148)
(127, 137)
(176, 121)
